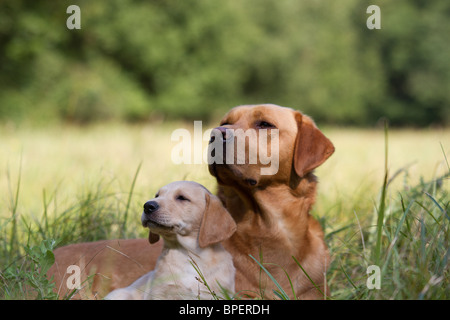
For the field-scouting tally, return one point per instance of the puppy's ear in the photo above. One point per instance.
(153, 237)
(312, 148)
(217, 224)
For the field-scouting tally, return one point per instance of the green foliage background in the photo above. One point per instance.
(194, 59)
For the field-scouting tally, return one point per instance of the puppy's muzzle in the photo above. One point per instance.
(149, 214)
(150, 207)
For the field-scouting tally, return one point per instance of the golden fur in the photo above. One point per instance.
(193, 223)
(272, 211)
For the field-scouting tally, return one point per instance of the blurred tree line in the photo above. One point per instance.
(194, 59)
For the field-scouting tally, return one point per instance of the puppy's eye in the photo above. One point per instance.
(225, 124)
(182, 198)
(265, 125)
(157, 195)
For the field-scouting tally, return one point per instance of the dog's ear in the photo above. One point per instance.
(312, 148)
(217, 224)
(153, 237)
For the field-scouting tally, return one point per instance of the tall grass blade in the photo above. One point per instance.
(282, 294)
(444, 212)
(362, 235)
(394, 240)
(125, 218)
(202, 279)
(307, 275)
(382, 206)
(346, 275)
(15, 201)
(287, 276)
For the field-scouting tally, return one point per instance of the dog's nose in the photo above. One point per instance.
(226, 134)
(150, 206)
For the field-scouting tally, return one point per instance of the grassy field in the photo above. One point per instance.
(75, 184)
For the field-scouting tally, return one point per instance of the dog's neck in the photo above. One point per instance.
(262, 207)
(269, 219)
(240, 200)
(188, 245)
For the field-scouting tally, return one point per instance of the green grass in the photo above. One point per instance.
(407, 236)
(384, 204)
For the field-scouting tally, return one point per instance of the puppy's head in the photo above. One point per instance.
(300, 145)
(187, 209)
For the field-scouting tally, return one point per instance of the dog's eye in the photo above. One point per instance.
(264, 125)
(225, 124)
(157, 195)
(182, 198)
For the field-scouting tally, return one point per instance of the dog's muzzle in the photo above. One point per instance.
(150, 207)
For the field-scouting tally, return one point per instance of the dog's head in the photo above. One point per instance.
(272, 133)
(186, 209)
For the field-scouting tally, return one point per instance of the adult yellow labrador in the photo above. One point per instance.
(272, 211)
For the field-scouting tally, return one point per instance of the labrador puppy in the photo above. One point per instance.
(193, 223)
(272, 211)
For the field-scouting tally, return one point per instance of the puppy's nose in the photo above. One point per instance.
(220, 131)
(150, 207)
